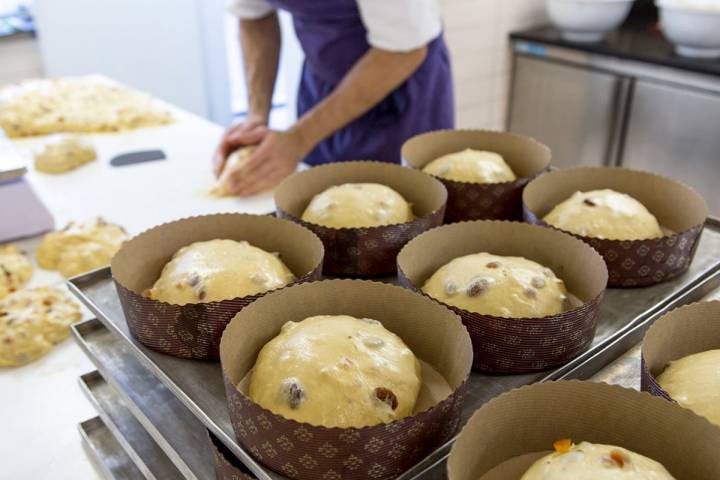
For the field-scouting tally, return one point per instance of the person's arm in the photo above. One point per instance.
(374, 76)
(260, 44)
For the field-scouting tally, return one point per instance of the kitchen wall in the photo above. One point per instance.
(477, 35)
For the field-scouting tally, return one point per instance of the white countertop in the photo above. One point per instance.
(42, 403)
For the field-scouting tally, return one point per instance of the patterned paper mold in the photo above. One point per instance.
(364, 252)
(304, 451)
(227, 467)
(475, 201)
(631, 263)
(510, 432)
(516, 345)
(194, 330)
(690, 329)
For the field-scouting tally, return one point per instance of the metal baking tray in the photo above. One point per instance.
(177, 432)
(200, 387)
(111, 460)
(134, 439)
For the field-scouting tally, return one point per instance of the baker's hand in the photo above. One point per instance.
(249, 132)
(277, 156)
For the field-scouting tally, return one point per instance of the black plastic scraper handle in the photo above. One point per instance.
(137, 157)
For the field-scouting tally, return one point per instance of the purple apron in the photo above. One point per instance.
(333, 38)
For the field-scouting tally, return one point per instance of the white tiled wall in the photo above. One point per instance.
(477, 35)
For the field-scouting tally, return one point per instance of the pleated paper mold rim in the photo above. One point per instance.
(194, 330)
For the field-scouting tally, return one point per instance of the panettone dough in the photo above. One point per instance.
(357, 205)
(594, 461)
(218, 270)
(32, 321)
(63, 154)
(234, 162)
(80, 247)
(513, 287)
(15, 269)
(75, 104)
(604, 214)
(336, 371)
(694, 382)
(471, 166)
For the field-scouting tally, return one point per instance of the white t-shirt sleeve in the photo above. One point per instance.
(400, 25)
(249, 9)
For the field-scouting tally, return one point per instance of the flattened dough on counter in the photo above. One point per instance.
(604, 214)
(512, 287)
(336, 371)
(218, 270)
(32, 321)
(64, 153)
(694, 382)
(471, 166)
(358, 205)
(15, 269)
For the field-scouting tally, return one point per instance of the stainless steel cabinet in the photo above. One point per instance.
(570, 109)
(676, 132)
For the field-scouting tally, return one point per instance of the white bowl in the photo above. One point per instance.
(587, 20)
(694, 29)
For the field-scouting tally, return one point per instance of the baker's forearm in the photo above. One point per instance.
(260, 43)
(373, 77)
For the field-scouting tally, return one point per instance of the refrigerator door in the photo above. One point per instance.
(572, 110)
(676, 132)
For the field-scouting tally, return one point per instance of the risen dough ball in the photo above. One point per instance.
(218, 270)
(694, 382)
(234, 161)
(336, 371)
(604, 214)
(15, 269)
(63, 154)
(512, 287)
(80, 247)
(592, 461)
(471, 166)
(355, 205)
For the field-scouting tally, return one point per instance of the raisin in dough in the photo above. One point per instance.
(80, 247)
(694, 382)
(15, 269)
(593, 461)
(501, 286)
(235, 161)
(32, 321)
(357, 205)
(471, 166)
(604, 214)
(218, 270)
(336, 371)
(63, 154)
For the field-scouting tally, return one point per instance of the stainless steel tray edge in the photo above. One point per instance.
(110, 460)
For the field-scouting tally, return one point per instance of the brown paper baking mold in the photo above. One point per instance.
(194, 330)
(505, 436)
(227, 467)
(304, 451)
(364, 252)
(690, 329)
(475, 201)
(516, 345)
(631, 263)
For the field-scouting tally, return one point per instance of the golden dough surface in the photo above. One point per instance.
(604, 214)
(336, 371)
(218, 270)
(63, 154)
(75, 104)
(472, 166)
(234, 161)
(80, 247)
(357, 205)
(512, 287)
(32, 321)
(694, 382)
(15, 269)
